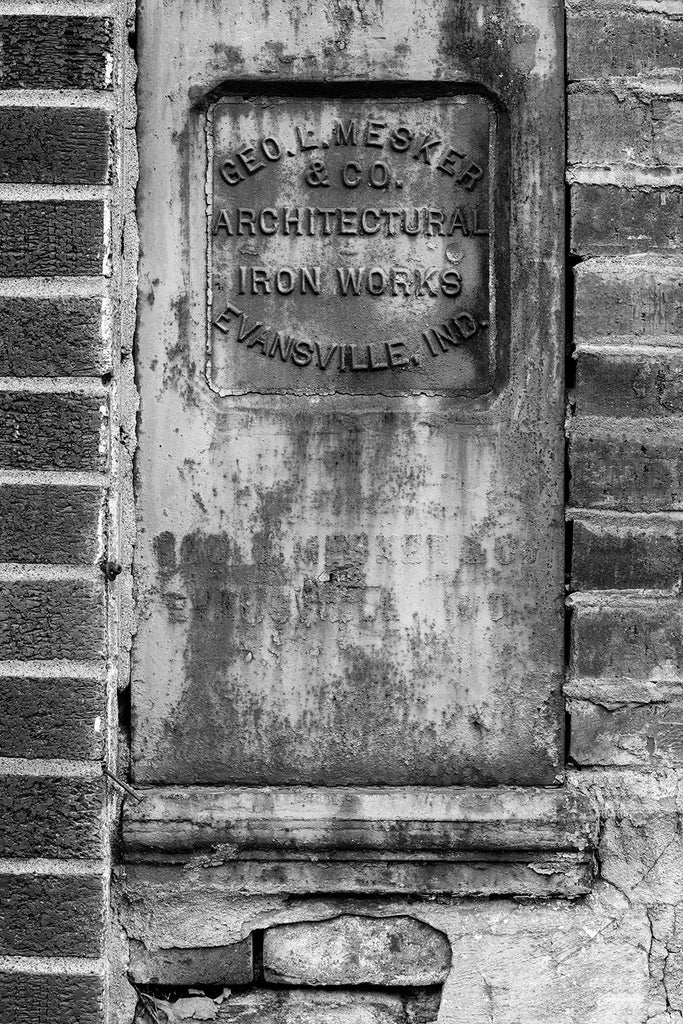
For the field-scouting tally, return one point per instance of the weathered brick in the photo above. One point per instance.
(50, 816)
(634, 640)
(50, 915)
(54, 145)
(212, 965)
(603, 42)
(350, 950)
(667, 131)
(54, 52)
(51, 717)
(55, 619)
(630, 734)
(614, 469)
(50, 431)
(613, 219)
(606, 128)
(50, 998)
(49, 524)
(624, 127)
(51, 239)
(619, 299)
(617, 555)
(617, 384)
(51, 337)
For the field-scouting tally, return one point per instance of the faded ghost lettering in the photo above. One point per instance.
(351, 239)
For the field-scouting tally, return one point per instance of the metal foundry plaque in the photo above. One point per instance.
(350, 245)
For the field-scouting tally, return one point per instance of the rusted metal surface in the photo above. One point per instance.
(358, 582)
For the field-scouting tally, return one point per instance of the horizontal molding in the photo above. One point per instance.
(374, 830)
(549, 876)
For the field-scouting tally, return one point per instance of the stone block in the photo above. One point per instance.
(46, 816)
(631, 300)
(611, 219)
(628, 469)
(63, 238)
(356, 950)
(208, 965)
(604, 41)
(54, 145)
(51, 619)
(628, 384)
(46, 915)
(50, 998)
(628, 734)
(51, 337)
(54, 52)
(51, 717)
(53, 525)
(634, 640)
(627, 553)
(50, 431)
(604, 128)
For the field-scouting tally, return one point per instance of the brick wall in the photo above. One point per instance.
(625, 172)
(61, 223)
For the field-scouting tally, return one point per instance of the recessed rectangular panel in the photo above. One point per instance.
(350, 245)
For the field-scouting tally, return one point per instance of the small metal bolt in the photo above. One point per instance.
(110, 569)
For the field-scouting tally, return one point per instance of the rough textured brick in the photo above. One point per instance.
(54, 52)
(623, 127)
(640, 734)
(614, 384)
(606, 128)
(301, 1006)
(614, 554)
(49, 524)
(53, 145)
(616, 470)
(46, 816)
(617, 299)
(50, 431)
(51, 337)
(51, 717)
(603, 42)
(613, 219)
(43, 620)
(214, 965)
(50, 998)
(51, 239)
(667, 131)
(640, 640)
(50, 915)
(350, 950)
